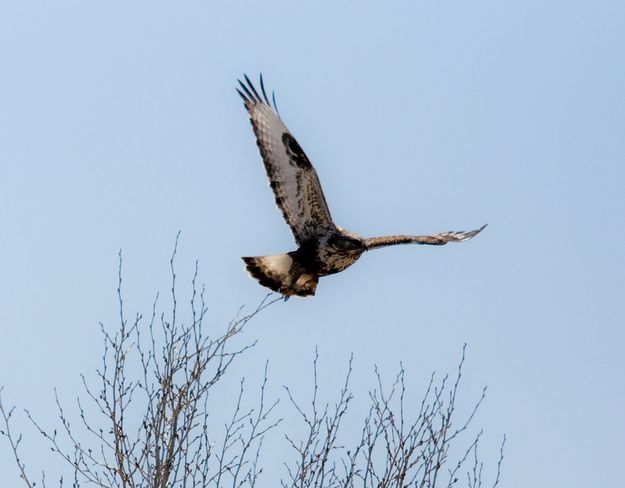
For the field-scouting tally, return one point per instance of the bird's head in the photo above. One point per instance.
(305, 285)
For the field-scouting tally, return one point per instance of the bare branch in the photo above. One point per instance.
(13, 442)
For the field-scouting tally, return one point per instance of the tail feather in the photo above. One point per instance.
(282, 273)
(270, 271)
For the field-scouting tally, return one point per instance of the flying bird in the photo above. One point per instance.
(324, 247)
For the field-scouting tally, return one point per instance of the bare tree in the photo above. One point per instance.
(144, 422)
(399, 446)
(150, 400)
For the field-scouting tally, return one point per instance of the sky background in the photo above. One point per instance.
(120, 126)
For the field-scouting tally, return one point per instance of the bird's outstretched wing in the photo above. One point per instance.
(433, 240)
(291, 175)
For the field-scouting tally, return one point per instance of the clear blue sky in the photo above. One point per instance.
(119, 126)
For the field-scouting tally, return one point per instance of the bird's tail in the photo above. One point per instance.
(282, 273)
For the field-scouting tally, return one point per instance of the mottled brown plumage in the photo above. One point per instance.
(324, 248)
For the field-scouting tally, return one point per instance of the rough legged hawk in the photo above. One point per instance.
(324, 247)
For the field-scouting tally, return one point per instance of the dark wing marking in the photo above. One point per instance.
(433, 240)
(292, 177)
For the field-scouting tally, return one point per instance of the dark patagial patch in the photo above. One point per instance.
(343, 243)
(295, 152)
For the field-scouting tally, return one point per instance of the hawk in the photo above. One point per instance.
(324, 247)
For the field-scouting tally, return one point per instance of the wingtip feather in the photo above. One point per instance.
(253, 88)
(251, 96)
(262, 89)
(241, 94)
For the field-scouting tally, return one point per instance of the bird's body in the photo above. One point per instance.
(298, 272)
(324, 247)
